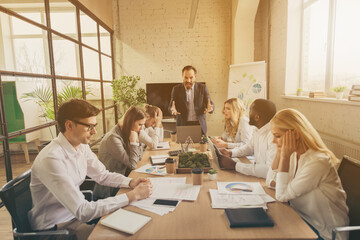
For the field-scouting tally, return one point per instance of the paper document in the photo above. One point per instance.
(234, 201)
(155, 170)
(170, 180)
(162, 146)
(125, 221)
(176, 191)
(158, 159)
(148, 205)
(247, 188)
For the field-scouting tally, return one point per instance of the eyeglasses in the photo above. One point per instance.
(90, 126)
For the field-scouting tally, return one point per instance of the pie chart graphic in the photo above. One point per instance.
(239, 187)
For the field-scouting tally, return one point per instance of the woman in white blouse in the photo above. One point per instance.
(153, 131)
(237, 132)
(304, 174)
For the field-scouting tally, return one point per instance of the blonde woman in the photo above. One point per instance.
(237, 132)
(304, 173)
(153, 131)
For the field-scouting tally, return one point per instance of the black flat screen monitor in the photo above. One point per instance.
(159, 94)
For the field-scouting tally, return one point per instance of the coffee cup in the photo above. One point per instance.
(197, 176)
(170, 165)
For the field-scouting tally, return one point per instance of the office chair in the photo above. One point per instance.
(349, 173)
(16, 197)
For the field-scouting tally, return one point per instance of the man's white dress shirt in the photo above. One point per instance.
(243, 135)
(190, 103)
(262, 148)
(56, 175)
(313, 188)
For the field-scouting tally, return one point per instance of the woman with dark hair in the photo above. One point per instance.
(120, 149)
(153, 131)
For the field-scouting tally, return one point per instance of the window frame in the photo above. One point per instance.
(49, 32)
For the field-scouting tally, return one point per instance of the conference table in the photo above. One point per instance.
(198, 220)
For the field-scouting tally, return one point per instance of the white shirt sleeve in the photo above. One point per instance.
(150, 137)
(243, 135)
(246, 150)
(61, 185)
(253, 169)
(306, 179)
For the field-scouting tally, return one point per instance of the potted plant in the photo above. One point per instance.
(126, 93)
(212, 174)
(299, 92)
(203, 143)
(339, 91)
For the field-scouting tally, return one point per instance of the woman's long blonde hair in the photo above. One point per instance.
(290, 119)
(237, 111)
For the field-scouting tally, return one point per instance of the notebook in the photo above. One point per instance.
(248, 217)
(158, 159)
(183, 132)
(125, 221)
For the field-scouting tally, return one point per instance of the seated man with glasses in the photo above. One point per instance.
(61, 167)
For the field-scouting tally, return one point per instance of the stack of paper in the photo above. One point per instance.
(239, 194)
(168, 188)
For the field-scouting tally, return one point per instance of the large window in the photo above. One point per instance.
(50, 51)
(330, 44)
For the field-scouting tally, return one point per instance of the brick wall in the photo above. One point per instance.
(155, 43)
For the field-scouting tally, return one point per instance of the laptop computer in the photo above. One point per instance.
(217, 155)
(183, 132)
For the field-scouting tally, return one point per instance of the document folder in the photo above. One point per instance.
(248, 217)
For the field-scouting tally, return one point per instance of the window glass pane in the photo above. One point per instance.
(106, 68)
(23, 52)
(63, 18)
(91, 64)
(105, 42)
(33, 10)
(20, 27)
(108, 94)
(32, 55)
(110, 118)
(88, 31)
(93, 96)
(28, 103)
(66, 57)
(314, 45)
(346, 48)
(67, 89)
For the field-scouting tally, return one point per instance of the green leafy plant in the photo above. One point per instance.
(126, 93)
(43, 97)
(212, 171)
(299, 89)
(339, 89)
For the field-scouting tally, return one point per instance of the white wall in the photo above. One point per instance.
(156, 43)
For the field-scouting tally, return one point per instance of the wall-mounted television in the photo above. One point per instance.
(159, 94)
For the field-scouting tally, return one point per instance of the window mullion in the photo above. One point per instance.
(330, 46)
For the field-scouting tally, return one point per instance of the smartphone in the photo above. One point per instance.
(170, 203)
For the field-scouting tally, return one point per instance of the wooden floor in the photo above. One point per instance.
(18, 166)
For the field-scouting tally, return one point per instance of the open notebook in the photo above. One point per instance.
(125, 221)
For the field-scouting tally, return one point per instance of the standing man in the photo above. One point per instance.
(190, 101)
(61, 167)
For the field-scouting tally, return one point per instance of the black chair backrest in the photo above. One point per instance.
(16, 197)
(349, 173)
